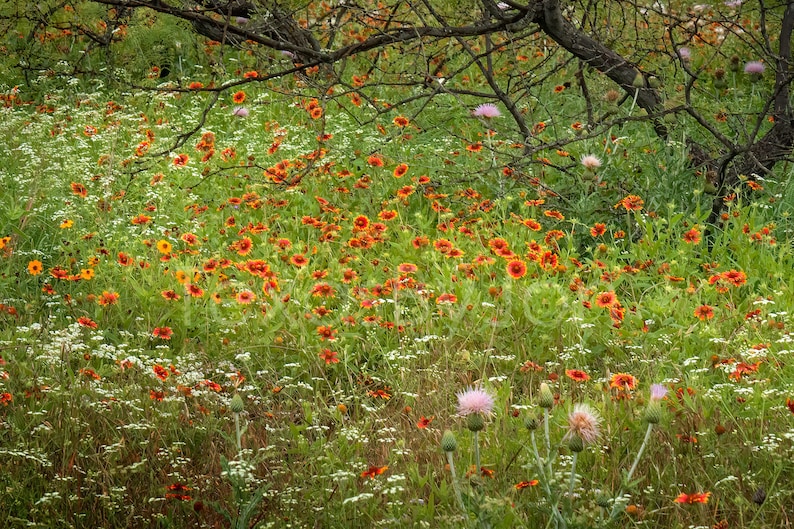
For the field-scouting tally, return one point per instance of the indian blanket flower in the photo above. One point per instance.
(577, 375)
(487, 111)
(475, 400)
(704, 312)
(695, 497)
(623, 382)
(583, 422)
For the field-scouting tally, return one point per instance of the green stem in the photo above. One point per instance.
(455, 481)
(573, 476)
(559, 521)
(546, 432)
(237, 430)
(477, 451)
(639, 453)
(619, 502)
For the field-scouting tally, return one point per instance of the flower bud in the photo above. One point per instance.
(237, 405)
(546, 396)
(603, 501)
(531, 422)
(654, 82)
(639, 81)
(448, 441)
(474, 422)
(653, 412)
(575, 443)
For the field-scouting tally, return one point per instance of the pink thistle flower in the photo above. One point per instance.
(583, 422)
(658, 392)
(487, 111)
(475, 400)
(240, 112)
(591, 162)
(754, 68)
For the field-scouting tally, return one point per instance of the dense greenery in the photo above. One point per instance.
(254, 307)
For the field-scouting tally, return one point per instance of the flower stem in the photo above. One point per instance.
(455, 486)
(573, 476)
(639, 453)
(477, 451)
(546, 432)
(237, 431)
(559, 521)
(617, 506)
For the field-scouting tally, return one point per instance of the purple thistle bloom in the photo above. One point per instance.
(475, 400)
(240, 112)
(685, 54)
(486, 110)
(754, 68)
(658, 392)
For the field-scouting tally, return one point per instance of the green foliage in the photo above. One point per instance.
(343, 305)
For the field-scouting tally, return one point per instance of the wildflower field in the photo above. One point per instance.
(275, 305)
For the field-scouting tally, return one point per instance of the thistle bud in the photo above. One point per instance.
(603, 501)
(575, 443)
(531, 422)
(653, 412)
(546, 396)
(474, 422)
(639, 81)
(654, 82)
(448, 441)
(237, 405)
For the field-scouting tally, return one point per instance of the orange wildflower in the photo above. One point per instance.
(695, 497)
(400, 170)
(631, 203)
(35, 267)
(160, 372)
(704, 312)
(329, 356)
(516, 269)
(577, 375)
(424, 422)
(108, 298)
(606, 299)
(371, 472)
(623, 382)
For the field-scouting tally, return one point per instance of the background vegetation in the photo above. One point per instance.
(243, 279)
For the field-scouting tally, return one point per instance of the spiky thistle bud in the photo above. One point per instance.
(237, 405)
(575, 443)
(603, 501)
(639, 81)
(531, 422)
(546, 396)
(448, 441)
(653, 412)
(475, 422)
